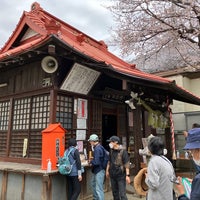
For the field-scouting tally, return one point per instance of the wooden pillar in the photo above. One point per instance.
(168, 142)
(23, 186)
(4, 185)
(9, 128)
(53, 100)
(47, 185)
(137, 130)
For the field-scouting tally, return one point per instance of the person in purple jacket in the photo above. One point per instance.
(193, 145)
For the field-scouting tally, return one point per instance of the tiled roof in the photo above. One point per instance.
(44, 26)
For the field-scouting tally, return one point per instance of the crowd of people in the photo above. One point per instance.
(116, 168)
(160, 176)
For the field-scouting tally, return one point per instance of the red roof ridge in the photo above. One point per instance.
(44, 23)
(68, 29)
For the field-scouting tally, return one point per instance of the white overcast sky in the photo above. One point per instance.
(88, 16)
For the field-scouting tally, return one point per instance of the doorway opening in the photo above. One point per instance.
(109, 128)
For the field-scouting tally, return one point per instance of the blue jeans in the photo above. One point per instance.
(97, 185)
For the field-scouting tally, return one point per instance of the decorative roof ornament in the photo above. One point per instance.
(35, 6)
(52, 27)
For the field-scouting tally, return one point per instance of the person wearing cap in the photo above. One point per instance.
(98, 171)
(193, 145)
(118, 168)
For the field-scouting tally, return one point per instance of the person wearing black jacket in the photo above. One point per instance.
(118, 169)
(193, 145)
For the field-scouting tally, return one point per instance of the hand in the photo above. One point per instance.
(189, 179)
(180, 186)
(80, 178)
(107, 174)
(128, 180)
(90, 160)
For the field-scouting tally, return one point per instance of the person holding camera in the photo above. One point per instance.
(193, 145)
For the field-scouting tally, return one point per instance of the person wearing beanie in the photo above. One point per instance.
(192, 145)
(75, 177)
(98, 170)
(118, 168)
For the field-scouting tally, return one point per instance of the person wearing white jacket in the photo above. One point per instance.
(159, 172)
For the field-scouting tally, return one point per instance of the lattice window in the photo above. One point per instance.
(4, 115)
(21, 114)
(64, 111)
(40, 112)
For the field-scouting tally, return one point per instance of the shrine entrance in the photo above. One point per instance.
(109, 128)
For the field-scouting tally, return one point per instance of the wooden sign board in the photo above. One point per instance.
(80, 79)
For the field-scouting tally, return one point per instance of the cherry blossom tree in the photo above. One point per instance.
(158, 33)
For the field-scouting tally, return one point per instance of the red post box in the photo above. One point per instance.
(53, 144)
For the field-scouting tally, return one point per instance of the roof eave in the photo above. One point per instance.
(23, 48)
(167, 85)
